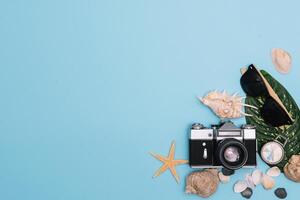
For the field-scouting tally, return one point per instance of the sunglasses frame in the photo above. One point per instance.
(270, 90)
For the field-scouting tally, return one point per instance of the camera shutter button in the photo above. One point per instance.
(248, 126)
(197, 126)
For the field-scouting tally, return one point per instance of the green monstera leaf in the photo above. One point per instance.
(265, 132)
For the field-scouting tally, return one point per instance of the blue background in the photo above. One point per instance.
(88, 88)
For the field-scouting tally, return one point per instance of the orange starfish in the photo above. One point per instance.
(168, 163)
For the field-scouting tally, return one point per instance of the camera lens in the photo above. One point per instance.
(232, 153)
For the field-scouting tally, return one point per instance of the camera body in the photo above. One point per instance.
(223, 145)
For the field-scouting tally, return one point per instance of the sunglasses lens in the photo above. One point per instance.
(252, 83)
(273, 114)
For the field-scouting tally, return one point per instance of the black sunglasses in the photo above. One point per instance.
(273, 111)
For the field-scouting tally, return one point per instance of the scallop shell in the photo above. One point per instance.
(223, 178)
(281, 60)
(240, 186)
(273, 171)
(249, 181)
(257, 177)
(225, 105)
(268, 182)
(203, 183)
(292, 168)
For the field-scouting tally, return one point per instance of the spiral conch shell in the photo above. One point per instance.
(225, 105)
(292, 168)
(203, 183)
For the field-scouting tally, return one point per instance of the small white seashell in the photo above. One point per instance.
(281, 60)
(273, 171)
(268, 182)
(257, 177)
(249, 181)
(223, 178)
(240, 186)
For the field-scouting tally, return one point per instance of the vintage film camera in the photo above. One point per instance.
(223, 145)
